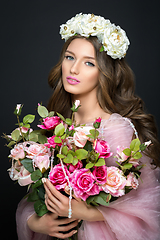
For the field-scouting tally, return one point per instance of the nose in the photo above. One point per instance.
(75, 68)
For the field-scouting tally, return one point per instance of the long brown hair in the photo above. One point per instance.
(115, 94)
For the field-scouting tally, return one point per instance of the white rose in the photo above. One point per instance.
(71, 27)
(80, 136)
(67, 31)
(115, 42)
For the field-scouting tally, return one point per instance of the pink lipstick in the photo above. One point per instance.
(72, 80)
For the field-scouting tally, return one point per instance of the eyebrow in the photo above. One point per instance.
(83, 57)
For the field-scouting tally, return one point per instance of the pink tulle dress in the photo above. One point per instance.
(135, 216)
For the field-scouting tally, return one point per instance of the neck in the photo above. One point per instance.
(89, 110)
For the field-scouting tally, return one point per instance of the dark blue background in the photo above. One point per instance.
(30, 46)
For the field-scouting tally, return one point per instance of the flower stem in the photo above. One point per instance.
(20, 128)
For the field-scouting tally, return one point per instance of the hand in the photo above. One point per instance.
(59, 204)
(49, 224)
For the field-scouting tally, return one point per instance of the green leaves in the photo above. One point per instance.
(27, 163)
(68, 121)
(65, 150)
(81, 154)
(101, 49)
(59, 130)
(28, 118)
(93, 134)
(134, 150)
(100, 162)
(71, 156)
(102, 198)
(40, 208)
(36, 136)
(36, 175)
(135, 144)
(89, 165)
(42, 111)
(137, 155)
(33, 137)
(15, 135)
(127, 152)
(57, 140)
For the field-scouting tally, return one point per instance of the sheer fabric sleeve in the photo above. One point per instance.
(24, 211)
(135, 215)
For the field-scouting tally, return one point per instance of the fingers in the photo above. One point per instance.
(59, 230)
(54, 200)
(51, 209)
(62, 221)
(67, 227)
(64, 236)
(50, 195)
(51, 201)
(52, 189)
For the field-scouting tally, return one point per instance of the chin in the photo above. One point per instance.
(71, 89)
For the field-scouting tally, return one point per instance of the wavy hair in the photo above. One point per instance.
(115, 94)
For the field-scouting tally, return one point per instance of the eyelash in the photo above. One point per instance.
(68, 57)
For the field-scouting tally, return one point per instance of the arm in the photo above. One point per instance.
(58, 203)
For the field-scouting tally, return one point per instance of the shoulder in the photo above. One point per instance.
(118, 125)
(116, 120)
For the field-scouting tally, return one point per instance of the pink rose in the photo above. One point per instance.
(120, 155)
(17, 152)
(83, 184)
(102, 147)
(35, 149)
(100, 174)
(134, 162)
(57, 177)
(80, 136)
(77, 103)
(42, 162)
(51, 142)
(19, 173)
(115, 182)
(25, 130)
(97, 123)
(71, 127)
(132, 181)
(72, 167)
(50, 123)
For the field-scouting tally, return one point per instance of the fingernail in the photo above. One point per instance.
(75, 232)
(79, 220)
(43, 180)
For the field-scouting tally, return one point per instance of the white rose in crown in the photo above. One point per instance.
(113, 38)
(115, 42)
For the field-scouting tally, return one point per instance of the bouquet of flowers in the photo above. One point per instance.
(73, 157)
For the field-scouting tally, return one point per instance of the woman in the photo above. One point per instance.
(92, 69)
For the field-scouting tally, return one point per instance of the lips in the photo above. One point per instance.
(72, 80)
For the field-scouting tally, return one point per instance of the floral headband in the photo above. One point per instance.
(114, 40)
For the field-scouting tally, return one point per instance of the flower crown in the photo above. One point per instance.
(113, 38)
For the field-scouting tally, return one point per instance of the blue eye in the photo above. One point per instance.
(90, 64)
(69, 57)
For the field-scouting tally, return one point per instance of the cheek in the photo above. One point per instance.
(92, 78)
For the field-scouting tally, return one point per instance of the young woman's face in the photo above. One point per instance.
(79, 68)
